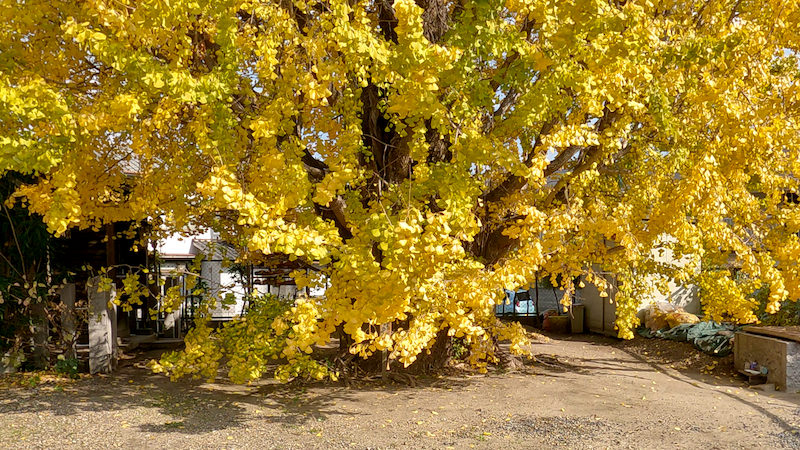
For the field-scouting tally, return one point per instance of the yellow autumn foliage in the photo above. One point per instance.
(426, 153)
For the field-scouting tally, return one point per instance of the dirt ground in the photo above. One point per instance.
(585, 392)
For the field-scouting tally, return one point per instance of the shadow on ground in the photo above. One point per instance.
(196, 407)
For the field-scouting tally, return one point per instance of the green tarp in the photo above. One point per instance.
(710, 337)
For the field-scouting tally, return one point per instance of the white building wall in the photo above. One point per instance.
(229, 284)
(682, 296)
(601, 311)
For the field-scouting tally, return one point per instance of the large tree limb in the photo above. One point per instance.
(435, 19)
(527, 28)
(591, 156)
(335, 213)
(316, 170)
(387, 20)
(505, 105)
(513, 183)
(492, 243)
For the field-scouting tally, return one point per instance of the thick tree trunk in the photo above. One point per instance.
(436, 359)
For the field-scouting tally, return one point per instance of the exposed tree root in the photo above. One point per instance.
(507, 361)
(552, 362)
(402, 377)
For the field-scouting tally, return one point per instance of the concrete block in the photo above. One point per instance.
(781, 358)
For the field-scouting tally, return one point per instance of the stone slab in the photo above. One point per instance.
(102, 324)
(788, 333)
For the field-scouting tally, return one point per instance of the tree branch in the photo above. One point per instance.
(505, 105)
(514, 183)
(316, 171)
(591, 155)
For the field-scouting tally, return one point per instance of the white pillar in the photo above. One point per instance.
(102, 328)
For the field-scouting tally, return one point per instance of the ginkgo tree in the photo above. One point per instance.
(424, 153)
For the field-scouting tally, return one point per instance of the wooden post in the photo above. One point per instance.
(386, 328)
(538, 311)
(111, 262)
(68, 327)
(102, 329)
(308, 289)
(41, 333)
(111, 248)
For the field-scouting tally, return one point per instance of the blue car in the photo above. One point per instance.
(518, 303)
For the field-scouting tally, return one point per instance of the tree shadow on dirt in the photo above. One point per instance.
(698, 381)
(553, 365)
(670, 359)
(196, 407)
(661, 354)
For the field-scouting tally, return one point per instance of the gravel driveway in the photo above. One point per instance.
(587, 392)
